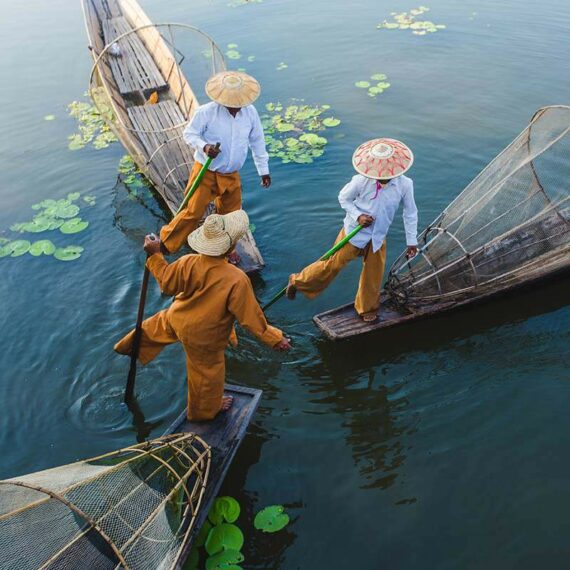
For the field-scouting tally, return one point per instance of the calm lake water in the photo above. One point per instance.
(442, 445)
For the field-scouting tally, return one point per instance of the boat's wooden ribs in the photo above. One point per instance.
(133, 68)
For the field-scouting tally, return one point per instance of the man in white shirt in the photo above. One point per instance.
(231, 120)
(370, 199)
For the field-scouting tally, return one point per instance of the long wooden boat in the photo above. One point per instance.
(508, 229)
(134, 60)
(136, 508)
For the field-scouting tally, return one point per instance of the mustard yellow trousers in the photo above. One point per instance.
(206, 369)
(222, 189)
(315, 278)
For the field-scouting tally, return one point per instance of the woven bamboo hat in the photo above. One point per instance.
(382, 159)
(219, 234)
(233, 88)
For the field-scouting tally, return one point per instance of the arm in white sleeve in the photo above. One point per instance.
(257, 145)
(347, 196)
(410, 215)
(195, 129)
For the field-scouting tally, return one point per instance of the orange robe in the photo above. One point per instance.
(211, 295)
(222, 189)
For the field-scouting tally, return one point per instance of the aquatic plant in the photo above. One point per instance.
(135, 181)
(92, 128)
(49, 118)
(51, 215)
(291, 132)
(409, 21)
(374, 90)
(271, 519)
(282, 66)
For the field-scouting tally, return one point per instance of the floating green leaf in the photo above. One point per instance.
(72, 196)
(409, 21)
(68, 253)
(92, 128)
(4, 251)
(331, 122)
(223, 560)
(232, 46)
(271, 519)
(362, 84)
(73, 226)
(224, 537)
(203, 533)
(228, 505)
(379, 77)
(42, 247)
(233, 54)
(18, 247)
(285, 127)
(282, 66)
(49, 118)
(250, 58)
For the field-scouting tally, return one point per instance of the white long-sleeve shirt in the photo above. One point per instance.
(363, 196)
(213, 123)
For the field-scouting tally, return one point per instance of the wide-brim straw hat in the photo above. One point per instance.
(219, 234)
(382, 159)
(233, 89)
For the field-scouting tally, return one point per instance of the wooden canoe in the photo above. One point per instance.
(224, 435)
(144, 65)
(344, 323)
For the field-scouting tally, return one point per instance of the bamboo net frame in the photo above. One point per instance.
(509, 225)
(132, 509)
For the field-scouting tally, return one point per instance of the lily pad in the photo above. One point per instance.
(223, 560)
(42, 247)
(49, 118)
(64, 209)
(331, 122)
(203, 533)
(285, 127)
(224, 537)
(72, 196)
(233, 54)
(232, 46)
(68, 253)
(37, 225)
(73, 226)
(362, 84)
(18, 247)
(379, 77)
(228, 505)
(271, 519)
(250, 58)
(4, 251)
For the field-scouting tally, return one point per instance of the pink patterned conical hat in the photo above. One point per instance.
(382, 159)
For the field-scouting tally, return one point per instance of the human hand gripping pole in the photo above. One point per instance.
(326, 256)
(129, 390)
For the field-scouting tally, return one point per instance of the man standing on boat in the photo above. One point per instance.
(370, 199)
(231, 120)
(210, 295)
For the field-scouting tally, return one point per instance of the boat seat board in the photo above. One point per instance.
(134, 69)
(224, 435)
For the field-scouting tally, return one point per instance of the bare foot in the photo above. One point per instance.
(291, 291)
(234, 258)
(369, 317)
(227, 402)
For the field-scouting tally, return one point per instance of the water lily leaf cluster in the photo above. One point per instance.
(136, 182)
(52, 215)
(376, 85)
(221, 541)
(410, 21)
(291, 132)
(92, 128)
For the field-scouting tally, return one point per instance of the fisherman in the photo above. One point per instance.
(210, 295)
(370, 199)
(231, 120)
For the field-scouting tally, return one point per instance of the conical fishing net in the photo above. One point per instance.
(510, 225)
(130, 509)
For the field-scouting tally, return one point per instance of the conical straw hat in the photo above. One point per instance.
(233, 88)
(382, 159)
(219, 234)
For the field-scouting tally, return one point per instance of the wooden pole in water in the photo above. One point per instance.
(129, 390)
(326, 256)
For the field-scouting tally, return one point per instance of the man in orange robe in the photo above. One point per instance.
(210, 295)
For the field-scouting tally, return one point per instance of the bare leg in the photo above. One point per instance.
(227, 402)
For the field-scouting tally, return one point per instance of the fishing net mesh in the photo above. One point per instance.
(131, 509)
(509, 225)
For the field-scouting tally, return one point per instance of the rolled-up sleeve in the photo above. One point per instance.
(347, 196)
(244, 307)
(257, 144)
(195, 129)
(410, 215)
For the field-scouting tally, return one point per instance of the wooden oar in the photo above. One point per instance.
(129, 390)
(326, 256)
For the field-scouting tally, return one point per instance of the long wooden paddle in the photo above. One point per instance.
(129, 390)
(326, 256)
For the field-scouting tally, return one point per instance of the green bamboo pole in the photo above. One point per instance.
(130, 388)
(326, 256)
(196, 182)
